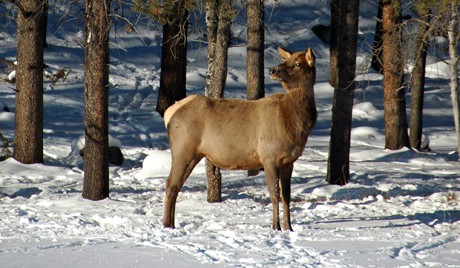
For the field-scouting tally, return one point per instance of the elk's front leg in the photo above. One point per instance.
(285, 185)
(271, 177)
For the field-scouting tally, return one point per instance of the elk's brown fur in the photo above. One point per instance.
(268, 133)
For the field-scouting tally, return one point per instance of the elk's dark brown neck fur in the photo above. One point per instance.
(303, 102)
(297, 75)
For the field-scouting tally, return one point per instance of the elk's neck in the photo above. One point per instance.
(302, 100)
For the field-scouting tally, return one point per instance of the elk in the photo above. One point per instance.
(269, 133)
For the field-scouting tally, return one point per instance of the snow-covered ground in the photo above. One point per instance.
(401, 208)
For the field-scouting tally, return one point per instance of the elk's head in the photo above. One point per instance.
(297, 69)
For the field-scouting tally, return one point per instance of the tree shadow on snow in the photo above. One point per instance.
(398, 221)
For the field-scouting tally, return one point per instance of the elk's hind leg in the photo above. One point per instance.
(285, 185)
(180, 171)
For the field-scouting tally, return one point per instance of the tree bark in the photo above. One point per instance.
(338, 168)
(214, 182)
(418, 83)
(396, 135)
(333, 49)
(28, 133)
(213, 175)
(377, 50)
(218, 78)
(45, 21)
(173, 59)
(225, 16)
(452, 33)
(255, 54)
(211, 31)
(96, 157)
(255, 50)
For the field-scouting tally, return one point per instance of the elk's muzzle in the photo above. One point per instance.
(274, 74)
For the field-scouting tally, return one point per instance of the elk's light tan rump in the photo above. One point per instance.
(172, 109)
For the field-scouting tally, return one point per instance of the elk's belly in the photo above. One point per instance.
(231, 157)
(237, 164)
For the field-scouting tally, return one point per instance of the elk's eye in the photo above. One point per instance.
(297, 64)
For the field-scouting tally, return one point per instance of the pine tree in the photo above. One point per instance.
(96, 155)
(255, 49)
(454, 36)
(396, 135)
(173, 55)
(377, 50)
(217, 75)
(418, 80)
(28, 133)
(213, 175)
(255, 53)
(345, 22)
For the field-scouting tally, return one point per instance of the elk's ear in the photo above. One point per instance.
(284, 53)
(310, 57)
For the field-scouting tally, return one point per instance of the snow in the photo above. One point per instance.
(400, 209)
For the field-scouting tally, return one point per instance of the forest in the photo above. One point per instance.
(85, 85)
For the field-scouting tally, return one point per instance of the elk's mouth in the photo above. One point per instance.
(276, 78)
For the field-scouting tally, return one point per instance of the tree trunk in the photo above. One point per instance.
(338, 168)
(396, 135)
(96, 157)
(218, 77)
(225, 16)
(418, 83)
(214, 182)
(173, 59)
(377, 51)
(213, 175)
(45, 30)
(211, 29)
(452, 32)
(28, 133)
(255, 54)
(255, 50)
(333, 49)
